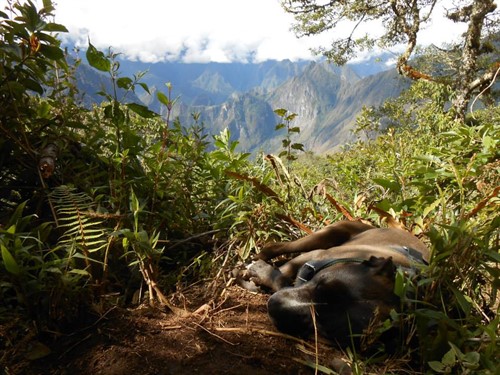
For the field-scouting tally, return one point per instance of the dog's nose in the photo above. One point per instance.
(289, 314)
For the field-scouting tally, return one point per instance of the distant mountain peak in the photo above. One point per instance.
(242, 97)
(213, 82)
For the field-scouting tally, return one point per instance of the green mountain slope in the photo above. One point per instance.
(242, 97)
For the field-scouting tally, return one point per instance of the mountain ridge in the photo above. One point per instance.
(243, 97)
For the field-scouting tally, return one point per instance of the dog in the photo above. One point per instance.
(342, 281)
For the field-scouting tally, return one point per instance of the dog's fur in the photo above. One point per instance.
(344, 297)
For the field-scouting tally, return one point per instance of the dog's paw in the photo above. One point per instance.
(261, 273)
(238, 273)
(249, 285)
(242, 278)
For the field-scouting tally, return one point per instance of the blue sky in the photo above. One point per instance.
(201, 30)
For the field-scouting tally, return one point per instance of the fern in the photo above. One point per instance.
(77, 217)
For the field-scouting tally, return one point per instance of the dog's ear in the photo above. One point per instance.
(382, 266)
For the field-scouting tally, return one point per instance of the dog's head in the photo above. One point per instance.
(344, 299)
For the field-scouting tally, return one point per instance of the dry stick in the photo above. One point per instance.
(482, 92)
(74, 345)
(168, 328)
(153, 287)
(483, 203)
(84, 329)
(340, 208)
(94, 323)
(213, 334)
(222, 267)
(227, 309)
(163, 299)
(246, 315)
(313, 316)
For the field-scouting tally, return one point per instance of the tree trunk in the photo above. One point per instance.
(465, 83)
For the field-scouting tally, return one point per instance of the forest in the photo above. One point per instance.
(118, 224)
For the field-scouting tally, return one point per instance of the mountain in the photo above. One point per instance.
(325, 97)
(91, 83)
(243, 97)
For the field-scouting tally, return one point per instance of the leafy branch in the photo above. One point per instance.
(289, 147)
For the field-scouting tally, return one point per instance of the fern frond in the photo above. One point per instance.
(75, 211)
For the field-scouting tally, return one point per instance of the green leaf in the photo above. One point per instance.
(494, 256)
(124, 83)
(53, 53)
(462, 300)
(77, 271)
(437, 366)
(471, 360)
(97, 59)
(47, 6)
(163, 98)
(9, 261)
(399, 285)
(431, 207)
(55, 27)
(108, 111)
(450, 358)
(142, 110)
(145, 87)
(32, 85)
(17, 215)
(280, 112)
(388, 184)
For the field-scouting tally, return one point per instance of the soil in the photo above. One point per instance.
(230, 334)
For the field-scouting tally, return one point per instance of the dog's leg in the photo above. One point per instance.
(264, 274)
(329, 236)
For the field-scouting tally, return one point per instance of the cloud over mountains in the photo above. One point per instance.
(203, 30)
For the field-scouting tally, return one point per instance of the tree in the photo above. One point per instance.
(402, 21)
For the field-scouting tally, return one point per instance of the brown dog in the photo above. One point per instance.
(345, 276)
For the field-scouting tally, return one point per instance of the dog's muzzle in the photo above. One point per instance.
(290, 313)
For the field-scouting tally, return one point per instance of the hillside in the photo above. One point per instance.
(242, 98)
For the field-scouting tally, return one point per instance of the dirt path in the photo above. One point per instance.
(233, 336)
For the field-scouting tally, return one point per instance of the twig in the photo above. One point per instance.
(483, 91)
(168, 328)
(75, 345)
(213, 334)
(227, 309)
(95, 323)
(316, 355)
(483, 203)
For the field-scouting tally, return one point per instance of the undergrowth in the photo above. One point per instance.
(116, 198)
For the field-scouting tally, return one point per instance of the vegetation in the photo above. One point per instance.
(115, 198)
(475, 63)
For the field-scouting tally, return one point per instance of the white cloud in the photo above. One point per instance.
(198, 30)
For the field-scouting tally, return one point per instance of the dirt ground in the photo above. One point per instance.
(232, 335)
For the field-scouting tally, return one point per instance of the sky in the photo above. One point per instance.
(201, 30)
